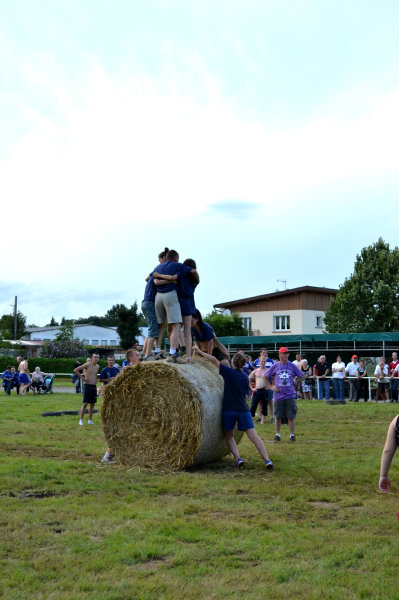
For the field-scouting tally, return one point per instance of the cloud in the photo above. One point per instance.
(235, 209)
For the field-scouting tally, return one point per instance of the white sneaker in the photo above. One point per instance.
(81, 422)
(108, 458)
(90, 423)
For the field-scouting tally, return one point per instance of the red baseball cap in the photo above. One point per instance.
(283, 350)
(355, 356)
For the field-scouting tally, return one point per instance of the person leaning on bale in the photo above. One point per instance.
(391, 444)
(235, 408)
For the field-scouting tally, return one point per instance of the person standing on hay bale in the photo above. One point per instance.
(90, 367)
(281, 379)
(207, 341)
(166, 301)
(235, 408)
(132, 358)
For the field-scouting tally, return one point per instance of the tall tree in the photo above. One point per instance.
(226, 324)
(66, 332)
(128, 325)
(7, 326)
(369, 299)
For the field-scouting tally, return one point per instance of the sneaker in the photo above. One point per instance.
(81, 422)
(269, 464)
(159, 356)
(292, 438)
(148, 358)
(277, 438)
(90, 423)
(239, 463)
(175, 358)
(108, 458)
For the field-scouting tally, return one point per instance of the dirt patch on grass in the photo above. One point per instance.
(151, 564)
(24, 494)
(324, 504)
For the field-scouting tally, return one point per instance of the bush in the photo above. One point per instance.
(63, 348)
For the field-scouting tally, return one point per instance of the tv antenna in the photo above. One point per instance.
(283, 281)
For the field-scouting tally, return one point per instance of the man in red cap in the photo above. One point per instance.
(281, 379)
(350, 371)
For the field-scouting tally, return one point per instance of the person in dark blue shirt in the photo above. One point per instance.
(206, 339)
(110, 371)
(235, 408)
(15, 379)
(7, 378)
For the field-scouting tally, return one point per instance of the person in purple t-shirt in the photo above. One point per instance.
(281, 379)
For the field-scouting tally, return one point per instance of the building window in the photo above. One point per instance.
(247, 323)
(282, 323)
(319, 321)
(94, 342)
(104, 342)
(113, 342)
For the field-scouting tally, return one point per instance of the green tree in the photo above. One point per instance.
(226, 324)
(7, 326)
(128, 325)
(368, 299)
(65, 333)
(53, 323)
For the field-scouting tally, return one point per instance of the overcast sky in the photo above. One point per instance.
(255, 137)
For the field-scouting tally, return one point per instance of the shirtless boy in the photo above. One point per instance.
(257, 383)
(24, 376)
(91, 368)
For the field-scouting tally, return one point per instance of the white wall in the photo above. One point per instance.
(91, 334)
(301, 321)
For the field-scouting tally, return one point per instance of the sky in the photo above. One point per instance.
(257, 138)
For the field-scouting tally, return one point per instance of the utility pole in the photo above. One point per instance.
(283, 281)
(15, 318)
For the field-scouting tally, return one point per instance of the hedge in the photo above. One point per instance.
(47, 365)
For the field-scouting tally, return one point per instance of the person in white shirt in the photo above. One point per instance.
(382, 377)
(338, 376)
(351, 371)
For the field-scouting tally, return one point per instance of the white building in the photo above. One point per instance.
(92, 335)
(295, 311)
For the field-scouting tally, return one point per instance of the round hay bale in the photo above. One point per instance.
(165, 416)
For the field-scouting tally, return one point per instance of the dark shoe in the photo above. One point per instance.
(292, 438)
(239, 463)
(269, 464)
(159, 356)
(175, 358)
(277, 438)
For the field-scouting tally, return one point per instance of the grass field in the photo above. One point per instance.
(315, 528)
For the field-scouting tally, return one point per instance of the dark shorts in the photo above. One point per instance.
(187, 306)
(219, 355)
(261, 396)
(230, 418)
(89, 393)
(23, 378)
(148, 309)
(382, 386)
(285, 408)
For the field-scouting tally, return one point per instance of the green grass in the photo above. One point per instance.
(316, 527)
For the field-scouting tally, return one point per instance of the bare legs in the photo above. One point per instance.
(255, 439)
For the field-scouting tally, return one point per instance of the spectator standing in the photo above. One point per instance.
(281, 379)
(394, 375)
(338, 375)
(260, 392)
(362, 381)
(75, 379)
(351, 372)
(24, 376)
(89, 370)
(7, 378)
(269, 362)
(382, 377)
(110, 371)
(307, 383)
(323, 370)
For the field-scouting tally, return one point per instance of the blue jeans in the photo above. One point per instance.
(338, 384)
(324, 389)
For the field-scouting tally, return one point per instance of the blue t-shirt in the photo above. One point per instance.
(269, 363)
(284, 378)
(186, 286)
(235, 389)
(125, 363)
(151, 289)
(206, 333)
(171, 268)
(247, 368)
(108, 372)
(6, 375)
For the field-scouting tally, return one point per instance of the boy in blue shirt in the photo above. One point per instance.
(235, 408)
(110, 371)
(7, 378)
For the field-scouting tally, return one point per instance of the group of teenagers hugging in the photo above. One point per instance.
(169, 296)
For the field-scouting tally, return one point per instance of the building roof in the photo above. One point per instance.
(52, 327)
(289, 292)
